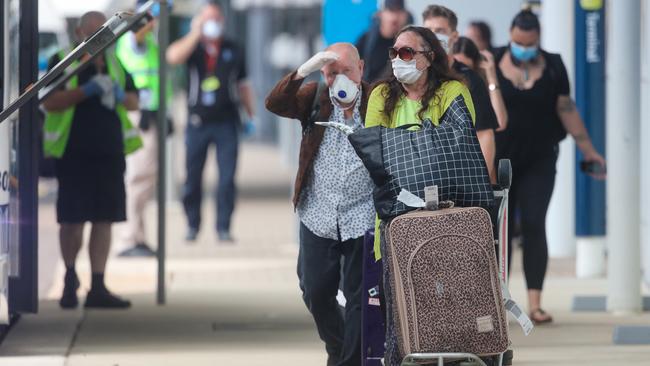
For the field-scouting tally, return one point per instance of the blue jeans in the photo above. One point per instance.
(225, 135)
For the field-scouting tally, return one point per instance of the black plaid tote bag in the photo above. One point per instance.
(448, 156)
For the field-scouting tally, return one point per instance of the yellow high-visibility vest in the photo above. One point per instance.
(58, 124)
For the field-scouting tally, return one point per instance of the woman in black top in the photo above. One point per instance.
(535, 88)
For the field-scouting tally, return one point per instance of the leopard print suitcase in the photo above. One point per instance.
(444, 292)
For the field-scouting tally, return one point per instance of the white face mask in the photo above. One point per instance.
(344, 90)
(406, 72)
(212, 29)
(444, 41)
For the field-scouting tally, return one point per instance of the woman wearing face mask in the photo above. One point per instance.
(422, 85)
(535, 88)
(422, 88)
(482, 62)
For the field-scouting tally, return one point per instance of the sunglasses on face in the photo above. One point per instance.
(404, 53)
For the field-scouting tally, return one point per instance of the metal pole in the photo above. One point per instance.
(163, 40)
(623, 127)
(113, 29)
(645, 136)
(557, 36)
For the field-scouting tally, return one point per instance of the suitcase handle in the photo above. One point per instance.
(445, 204)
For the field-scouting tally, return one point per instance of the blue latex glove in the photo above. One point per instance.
(248, 129)
(91, 89)
(120, 95)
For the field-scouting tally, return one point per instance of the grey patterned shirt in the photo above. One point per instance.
(336, 202)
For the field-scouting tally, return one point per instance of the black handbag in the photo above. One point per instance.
(448, 156)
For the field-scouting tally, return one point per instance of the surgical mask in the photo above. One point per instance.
(212, 29)
(444, 41)
(523, 54)
(344, 90)
(406, 72)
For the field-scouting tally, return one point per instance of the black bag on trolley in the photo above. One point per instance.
(447, 156)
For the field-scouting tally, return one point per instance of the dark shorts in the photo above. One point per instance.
(91, 190)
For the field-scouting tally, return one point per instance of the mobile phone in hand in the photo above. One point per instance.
(592, 167)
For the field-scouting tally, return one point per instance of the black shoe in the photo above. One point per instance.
(507, 358)
(225, 237)
(69, 299)
(191, 235)
(332, 361)
(139, 250)
(103, 299)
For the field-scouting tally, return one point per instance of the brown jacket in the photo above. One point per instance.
(291, 99)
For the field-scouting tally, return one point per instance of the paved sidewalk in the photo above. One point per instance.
(240, 304)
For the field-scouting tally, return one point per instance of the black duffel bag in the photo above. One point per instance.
(448, 156)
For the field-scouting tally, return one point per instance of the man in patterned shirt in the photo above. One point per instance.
(333, 194)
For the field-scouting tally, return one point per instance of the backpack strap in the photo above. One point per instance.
(315, 109)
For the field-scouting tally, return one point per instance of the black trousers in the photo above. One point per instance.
(319, 272)
(530, 193)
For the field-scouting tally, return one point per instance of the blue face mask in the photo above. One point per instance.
(523, 54)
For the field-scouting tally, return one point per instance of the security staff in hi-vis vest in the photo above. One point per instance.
(138, 53)
(217, 81)
(88, 132)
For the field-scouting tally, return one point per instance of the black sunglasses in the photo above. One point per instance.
(404, 53)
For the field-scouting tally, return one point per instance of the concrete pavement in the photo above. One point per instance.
(240, 304)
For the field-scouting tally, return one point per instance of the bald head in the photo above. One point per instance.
(89, 23)
(349, 63)
(346, 50)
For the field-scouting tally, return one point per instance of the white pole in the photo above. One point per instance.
(645, 136)
(557, 20)
(623, 127)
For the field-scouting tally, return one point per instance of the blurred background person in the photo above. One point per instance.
(217, 81)
(374, 44)
(138, 52)
(541, 112)
(88, 131)
(481, 34)
(444, 22)
(482, 62)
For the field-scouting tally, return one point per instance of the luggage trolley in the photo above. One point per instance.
(502, 189)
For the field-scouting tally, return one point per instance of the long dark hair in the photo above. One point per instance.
(468, 48)
(437, 73)
(465, 46)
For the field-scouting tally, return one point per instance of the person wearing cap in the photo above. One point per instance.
(138, 53)
(373, 45)
(88, 132)
(333, 193)
(217, 80)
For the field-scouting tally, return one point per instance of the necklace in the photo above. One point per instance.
(521, 82)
